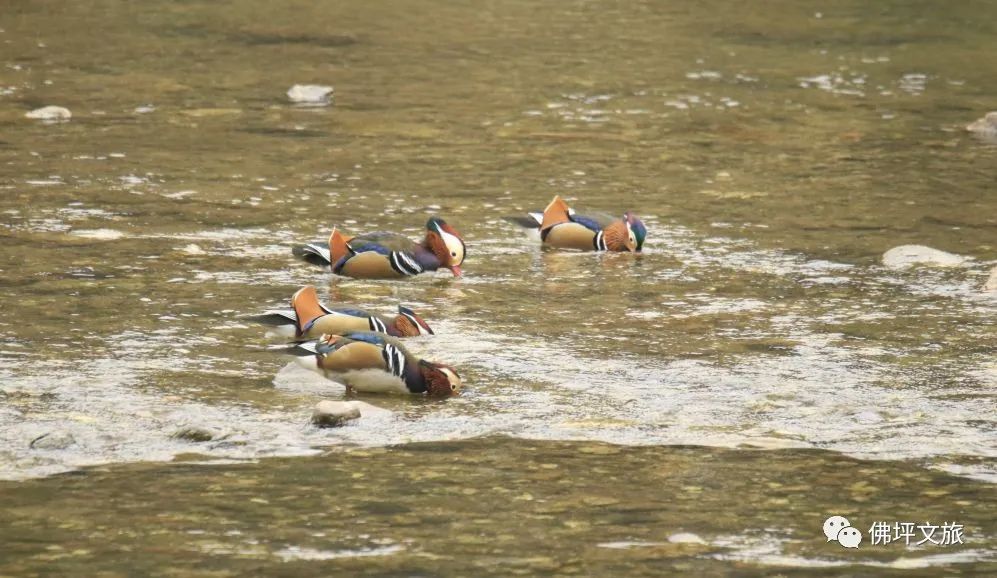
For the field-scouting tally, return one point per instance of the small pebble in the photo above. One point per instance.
(50, 113)
(313, 94)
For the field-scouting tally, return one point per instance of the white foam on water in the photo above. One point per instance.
(300, 553)
(816, 392)
(767, 550)
(98, 234)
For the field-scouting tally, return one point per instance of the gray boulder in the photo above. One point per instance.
(195, 434)
(334, 413)
(910, 255)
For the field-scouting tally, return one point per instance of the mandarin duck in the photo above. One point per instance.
(310, 319)
(370, 362)
(561, 227)
(383, 255)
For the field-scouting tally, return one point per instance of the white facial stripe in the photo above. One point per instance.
(451, 376)
(454, 246)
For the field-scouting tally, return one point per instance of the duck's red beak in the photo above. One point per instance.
(456, 271)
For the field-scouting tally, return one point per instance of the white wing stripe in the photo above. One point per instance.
(411, 263)
(395, 360)
(600, 241)
(404, 264)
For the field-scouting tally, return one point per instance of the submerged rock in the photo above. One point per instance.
(210, 112)
(313, 94)
(991, 285)
(57, 440)
(98, 234)
(986, 126)
(50, 113)
(685, 538)
(909, 255)
(334, 413)
(195, 434)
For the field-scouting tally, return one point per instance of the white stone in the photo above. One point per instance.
(52, 113)
(334, 413)
(98, 234)
(986, 126)
(909, 255)
(685, 538)
(314, 94)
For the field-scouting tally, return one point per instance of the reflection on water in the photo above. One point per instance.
(774, 155)
(494, 506)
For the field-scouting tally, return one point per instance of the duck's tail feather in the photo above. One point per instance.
(313, 253)
(276, 318)
(528, 221)
(302, 349)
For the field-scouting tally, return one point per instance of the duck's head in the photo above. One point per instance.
(637, 230)
(441, 380)
(446, 243)
(619, 236)
(409, 324)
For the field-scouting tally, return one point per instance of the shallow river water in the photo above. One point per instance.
(700, 408)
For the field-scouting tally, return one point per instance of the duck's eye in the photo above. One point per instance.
(453, 387)
(453, 253)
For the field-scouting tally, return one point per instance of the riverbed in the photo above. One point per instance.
(755, 347)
